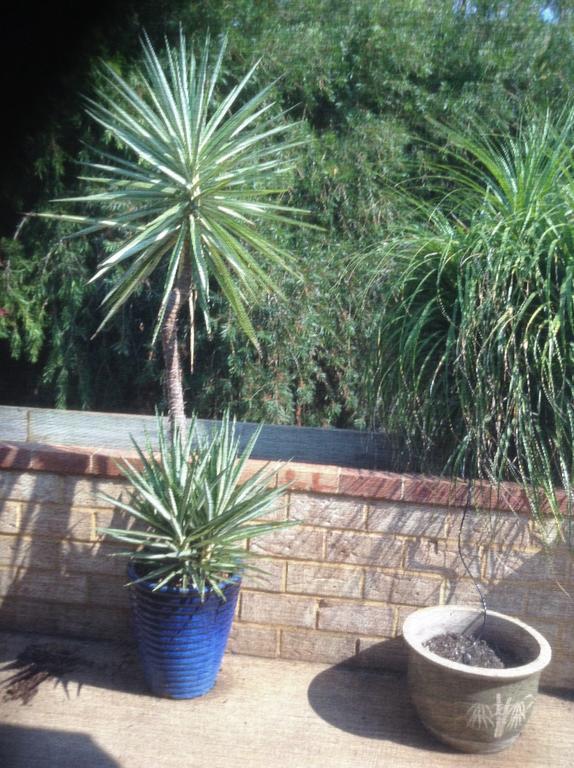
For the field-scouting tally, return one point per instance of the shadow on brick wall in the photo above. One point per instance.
(536, 587)
(55, 577)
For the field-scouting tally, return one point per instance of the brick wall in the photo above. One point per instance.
(371, 547)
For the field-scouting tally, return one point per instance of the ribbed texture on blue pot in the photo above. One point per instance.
(181, 641)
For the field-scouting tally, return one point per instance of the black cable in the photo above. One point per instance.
(467, 507)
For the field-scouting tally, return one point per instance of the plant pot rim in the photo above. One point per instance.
(149, 584)
(512, 673)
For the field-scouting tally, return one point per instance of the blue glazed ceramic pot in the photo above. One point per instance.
(181, 641)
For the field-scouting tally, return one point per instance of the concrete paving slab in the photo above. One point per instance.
(94, 712)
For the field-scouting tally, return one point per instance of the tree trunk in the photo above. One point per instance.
(171, 356)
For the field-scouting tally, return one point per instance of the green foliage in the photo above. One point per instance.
(48, 314)
(474, 365)
(197, 188)
(305, 373)
(369, 79)
(191, 517)
(21, 307)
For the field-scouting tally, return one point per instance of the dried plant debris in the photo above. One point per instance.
(36, 664)
(471, 651)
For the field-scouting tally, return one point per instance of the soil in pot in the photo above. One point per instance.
(472, 651)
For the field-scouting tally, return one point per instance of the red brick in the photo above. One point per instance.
(431, 490)
(62, 460)
(486, 496)
(562, 498)
(310, 477)
(15, 456)
(253, 466)
(510, 496)
(371, 484)
(109, 463)
(45, 458)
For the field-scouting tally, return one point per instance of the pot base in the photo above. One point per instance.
(470, 746)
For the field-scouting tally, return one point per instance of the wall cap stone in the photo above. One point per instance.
(375, 485)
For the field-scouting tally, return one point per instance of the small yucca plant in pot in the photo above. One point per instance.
(191, 517)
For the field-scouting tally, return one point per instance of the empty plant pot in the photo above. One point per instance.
(473, 709)
(181, 641)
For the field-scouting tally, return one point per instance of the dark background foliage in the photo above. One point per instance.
(369, 80)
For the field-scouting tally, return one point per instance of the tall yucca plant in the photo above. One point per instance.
(475, 360)
(189, 193)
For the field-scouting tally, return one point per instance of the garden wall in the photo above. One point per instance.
(371, 547)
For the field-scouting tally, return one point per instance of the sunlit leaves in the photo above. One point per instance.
(191, 514)
(193, 186)
(475, 357)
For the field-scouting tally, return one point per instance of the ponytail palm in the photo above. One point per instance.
(196, 179)
(475, 362)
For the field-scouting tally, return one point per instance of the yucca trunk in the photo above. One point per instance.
(171, 354)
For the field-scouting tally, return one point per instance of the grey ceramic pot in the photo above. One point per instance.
(471, 708)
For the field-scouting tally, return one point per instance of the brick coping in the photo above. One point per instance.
(317, 478)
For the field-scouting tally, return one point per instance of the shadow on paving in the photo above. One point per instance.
(565, 694)
(71, 664)
(39, 748)
(369, 703)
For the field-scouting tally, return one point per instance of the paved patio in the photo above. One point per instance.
(94, 712)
